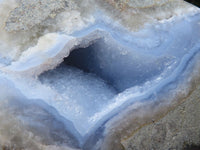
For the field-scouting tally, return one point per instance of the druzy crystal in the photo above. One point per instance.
(68, 77)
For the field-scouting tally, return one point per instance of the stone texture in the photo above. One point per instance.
(180, 127)
(31, 13)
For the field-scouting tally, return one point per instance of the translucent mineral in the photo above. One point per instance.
(86, 74)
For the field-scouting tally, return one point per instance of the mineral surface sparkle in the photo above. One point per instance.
(88, 74)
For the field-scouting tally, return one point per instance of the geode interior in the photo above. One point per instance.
(83, 80)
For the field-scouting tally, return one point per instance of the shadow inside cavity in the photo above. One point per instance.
(86, 59)
(120, 68)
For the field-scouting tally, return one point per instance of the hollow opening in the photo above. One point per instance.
(120, 68)
(81, 83)
(116, 67)
(87, 60)
(89, 79)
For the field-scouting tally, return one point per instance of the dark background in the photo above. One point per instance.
(194, 2)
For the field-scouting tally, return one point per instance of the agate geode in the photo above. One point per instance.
(88, 74)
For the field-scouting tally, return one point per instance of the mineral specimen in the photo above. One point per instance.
(97, 74)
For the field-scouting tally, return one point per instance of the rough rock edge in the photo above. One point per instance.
(179, 127)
